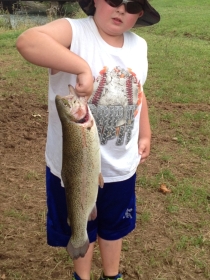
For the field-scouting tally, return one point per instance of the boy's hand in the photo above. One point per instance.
(84, 85)
(144, 148)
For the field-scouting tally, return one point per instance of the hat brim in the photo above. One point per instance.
(150, 16)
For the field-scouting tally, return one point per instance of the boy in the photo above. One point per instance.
(104, 61)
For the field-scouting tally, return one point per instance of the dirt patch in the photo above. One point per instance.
(155, 250)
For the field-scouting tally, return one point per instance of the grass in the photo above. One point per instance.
(181, 40)
(32, 174)
(177, 90)
(16, 215)
(171, 240)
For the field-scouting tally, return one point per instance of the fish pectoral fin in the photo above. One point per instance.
(68, 221)
(93, 214)
(101, 180)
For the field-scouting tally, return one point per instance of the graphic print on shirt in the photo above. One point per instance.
(114, 104)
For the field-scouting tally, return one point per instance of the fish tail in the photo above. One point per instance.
(76, 253)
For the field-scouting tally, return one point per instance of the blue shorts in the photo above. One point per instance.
(116, 211)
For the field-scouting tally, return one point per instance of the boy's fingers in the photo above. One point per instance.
(84, 90)
(142, 149)
(84, 85)
(142, 160)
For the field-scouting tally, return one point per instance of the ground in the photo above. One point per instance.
(24, 252)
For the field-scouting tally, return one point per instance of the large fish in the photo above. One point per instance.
(80, 167)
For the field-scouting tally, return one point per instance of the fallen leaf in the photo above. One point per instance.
(36, 115)
(164, 189)
(3, 276)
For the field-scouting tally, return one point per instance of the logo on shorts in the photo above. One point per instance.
(128, 214)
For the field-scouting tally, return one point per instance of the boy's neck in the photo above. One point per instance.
(114, 41)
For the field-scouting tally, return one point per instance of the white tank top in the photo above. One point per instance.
(119, 76)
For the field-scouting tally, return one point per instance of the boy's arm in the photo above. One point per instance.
(144, 132)
(48, 46)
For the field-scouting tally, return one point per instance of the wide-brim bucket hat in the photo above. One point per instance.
(150, 16)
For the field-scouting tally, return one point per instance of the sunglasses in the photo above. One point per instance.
(131, 7)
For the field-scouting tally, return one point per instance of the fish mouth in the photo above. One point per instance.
(85, 119)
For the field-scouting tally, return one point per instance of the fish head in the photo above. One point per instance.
(72, 107)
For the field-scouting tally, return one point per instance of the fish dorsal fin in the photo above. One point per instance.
(72, 92)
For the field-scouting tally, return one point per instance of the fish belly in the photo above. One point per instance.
(80, 173)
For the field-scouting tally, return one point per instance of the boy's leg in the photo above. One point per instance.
(82, 266)
(110, 254)
(116, 206)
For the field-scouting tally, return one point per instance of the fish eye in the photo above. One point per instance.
(65, 103)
